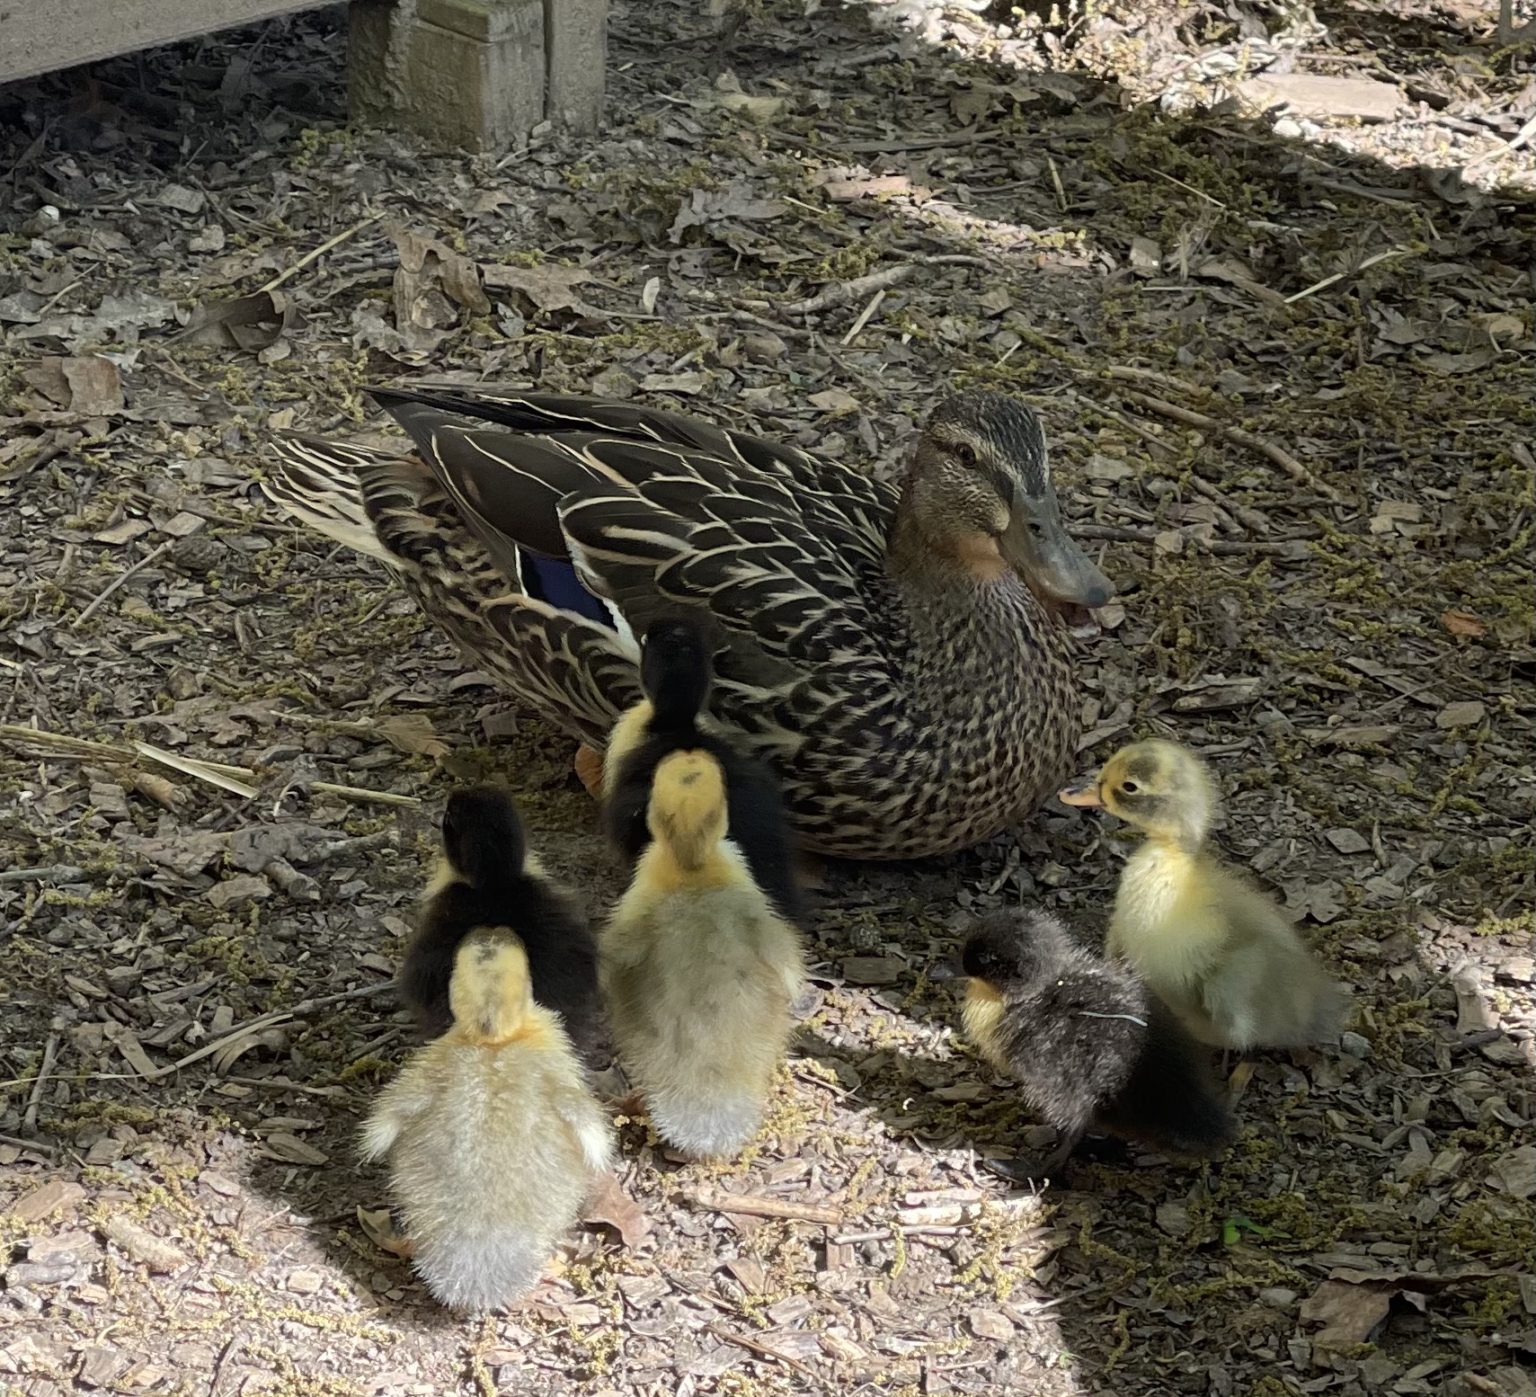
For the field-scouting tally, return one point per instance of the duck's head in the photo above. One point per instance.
(1160, 787)
(979, 491)
(490, 992)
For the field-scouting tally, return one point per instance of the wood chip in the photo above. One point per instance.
(142, 1245)
(44, 1202)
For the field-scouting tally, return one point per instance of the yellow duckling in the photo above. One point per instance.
(493, 1135)
(699, 969)
(1221, 954)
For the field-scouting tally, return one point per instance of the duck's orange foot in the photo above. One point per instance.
(589, 767)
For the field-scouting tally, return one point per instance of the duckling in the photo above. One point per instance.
(1086, 1041)
(699, 968)
(676, 674)
(493, 1136)
(1219, 951)
(487, 876)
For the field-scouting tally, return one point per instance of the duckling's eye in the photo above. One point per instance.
(1129, 788)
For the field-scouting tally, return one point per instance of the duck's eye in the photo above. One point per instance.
(965, 453)
(1129, 788)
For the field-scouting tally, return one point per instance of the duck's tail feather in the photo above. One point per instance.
(317, 483)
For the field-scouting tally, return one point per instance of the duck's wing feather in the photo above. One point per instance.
(580, 675)
(575, 442)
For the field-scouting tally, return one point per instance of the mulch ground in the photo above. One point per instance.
(1287, 368)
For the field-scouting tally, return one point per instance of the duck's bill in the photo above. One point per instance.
(1081, 793)
(1038, 546)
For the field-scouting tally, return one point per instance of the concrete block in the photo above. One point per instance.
(467, 73)
(576, 47)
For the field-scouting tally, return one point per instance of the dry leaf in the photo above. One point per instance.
(249, 322)
(95, 387)
(1462, 623)
(1466, 714)
(413, 734)
(547, 287)
(427, 265)
(293, 1149)
(610, 1205)
(45, 1201)
(1349, 1313)
(835, 401)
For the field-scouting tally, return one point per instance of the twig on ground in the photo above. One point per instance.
(271, 1020)
(319, 252)
(1328, 281)
(54, 873)
(1221, 547)
(22, 1144)
(362, 793)
(758, 1206)
(841, 292)
(745, 1341)
(865, 316)
(35, 1096)
(153, 556)
(1238, 436)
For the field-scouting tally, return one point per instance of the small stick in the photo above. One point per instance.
(271, 1020)
(757, 1346)
(843, 291)
(50, 1050)
(1221, 547)
(364, 794)
(118, 581)
(1328, 281)
(1238, 436)
(28, 1144)
(757, 1206)
(55, 873)
(319, 252)
(865, 316)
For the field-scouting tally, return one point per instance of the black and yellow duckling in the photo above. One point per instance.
(487, 876)
(699, 969)
(494, 1138)
(898, 652)
(676, 674)
(1086, 1041)
(1222, 954)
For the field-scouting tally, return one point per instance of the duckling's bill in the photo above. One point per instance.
(1084, 794)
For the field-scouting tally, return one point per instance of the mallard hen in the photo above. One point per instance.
(898, 653)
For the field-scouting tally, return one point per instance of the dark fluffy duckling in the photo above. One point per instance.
(676, 672)
(1088, 1044)
(487, 876)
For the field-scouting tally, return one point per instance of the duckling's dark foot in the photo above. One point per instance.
(589, 767)
(1031, 1171)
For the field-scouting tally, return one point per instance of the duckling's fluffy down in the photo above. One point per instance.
(700, 983)
(493, 1151)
